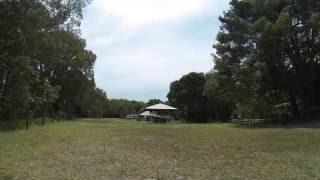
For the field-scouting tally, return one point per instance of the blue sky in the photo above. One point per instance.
(144, 45)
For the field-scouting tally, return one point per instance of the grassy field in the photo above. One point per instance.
(119, 149)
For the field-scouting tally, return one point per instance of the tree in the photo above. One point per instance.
(44, 64)
(267, 51)
(120, 108)
(187, 95)
(153, 102)
(219, 105)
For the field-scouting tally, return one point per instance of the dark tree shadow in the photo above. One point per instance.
(279, 125)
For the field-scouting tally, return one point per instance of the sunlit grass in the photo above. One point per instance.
(120, 149)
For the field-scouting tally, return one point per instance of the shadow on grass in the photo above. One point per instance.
(20, 124)
(11, 126)
(275, 125)
(125, 121)
(101, 120)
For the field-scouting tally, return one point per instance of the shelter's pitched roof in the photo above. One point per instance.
(160, 107)
(145, 113)
(148, 113)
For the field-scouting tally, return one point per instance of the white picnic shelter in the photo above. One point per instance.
(160, 112)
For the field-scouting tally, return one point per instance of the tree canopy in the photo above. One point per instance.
(44, 64)
(267, 64)
(267, 54)
(190, 95)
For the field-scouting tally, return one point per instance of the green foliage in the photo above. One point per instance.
(219, 105)
(153, 102)
(193, 96)
(44, 65)
(120, 108)
(268, 54)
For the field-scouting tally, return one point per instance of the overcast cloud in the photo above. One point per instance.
(144, 45)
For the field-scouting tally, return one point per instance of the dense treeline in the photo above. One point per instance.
(193, 96)
(153, 102)
(267, 63)
(268, 52)
(45, 68)
(120, 108)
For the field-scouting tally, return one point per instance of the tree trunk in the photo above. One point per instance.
(42, 120)
(294, 106)
(27, 122)
(306, 106)
(52, 117)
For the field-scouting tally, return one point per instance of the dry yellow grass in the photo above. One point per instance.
(120, 149)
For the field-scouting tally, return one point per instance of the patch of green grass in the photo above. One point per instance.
(120, 149)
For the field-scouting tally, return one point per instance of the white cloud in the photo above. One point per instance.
(136, 13)
(145, 69)
(143, 45)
